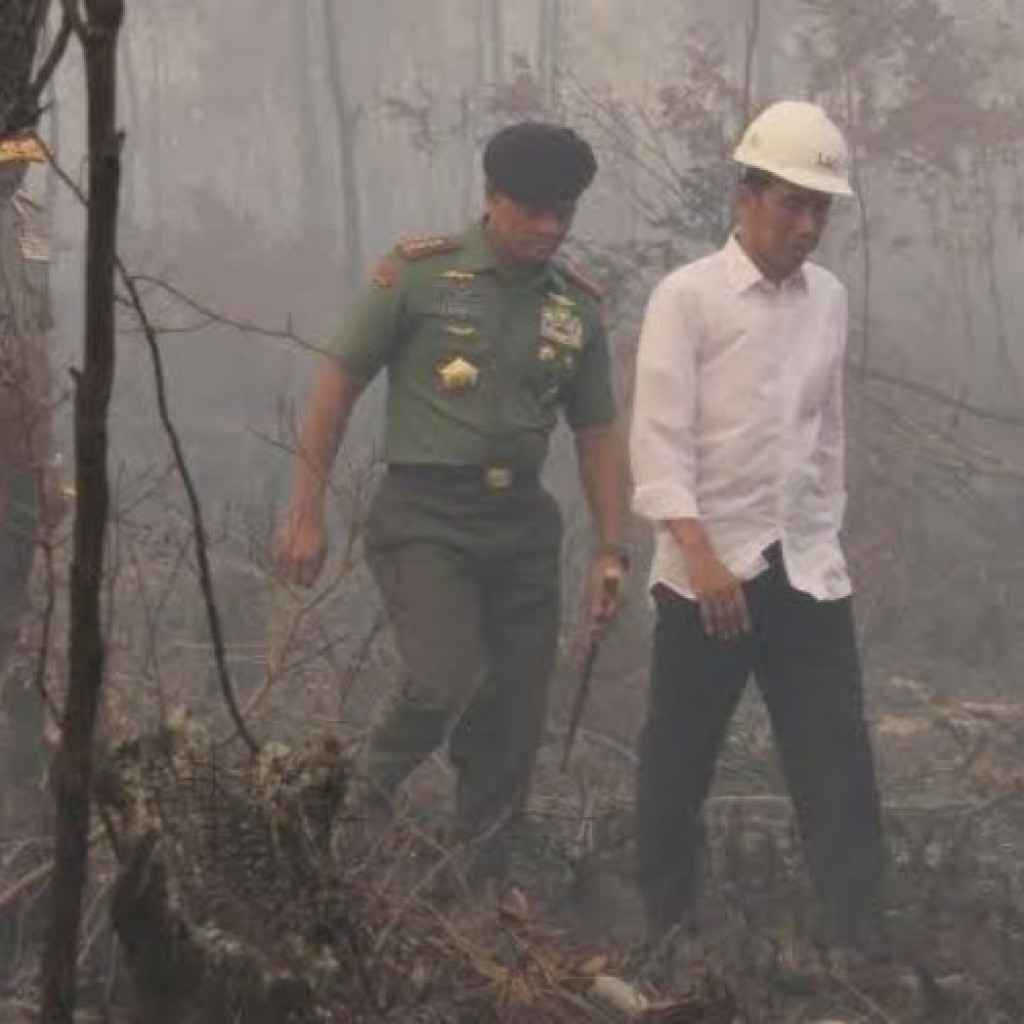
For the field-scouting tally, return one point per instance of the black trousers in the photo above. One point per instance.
(802, 653)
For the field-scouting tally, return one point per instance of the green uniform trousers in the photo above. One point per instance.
(470, 580)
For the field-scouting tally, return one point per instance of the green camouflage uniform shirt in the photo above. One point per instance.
(479, 360)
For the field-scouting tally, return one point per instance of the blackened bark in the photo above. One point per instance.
(73, 768)
(20, 25)
(347, 122)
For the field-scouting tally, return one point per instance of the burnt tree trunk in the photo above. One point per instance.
(74, 763)
(347, 124)
(549, 45)
(496, 23)
(750, 47)
(316, 192)
(20, 27)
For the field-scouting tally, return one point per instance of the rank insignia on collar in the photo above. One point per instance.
(458, 375)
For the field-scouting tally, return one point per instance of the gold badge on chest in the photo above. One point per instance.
(458, 375)
(560, 324)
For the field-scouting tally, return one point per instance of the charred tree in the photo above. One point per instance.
(314, 167)
(496, 34)
(97, 24)
(20, 28)
(20, 344)
(347, 123)
(549, 37)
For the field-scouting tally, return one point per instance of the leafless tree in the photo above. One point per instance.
(20, 28)
(347, 123)
(97, 23)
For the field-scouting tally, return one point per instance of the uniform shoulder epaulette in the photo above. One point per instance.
(421, 248)
(582, 281)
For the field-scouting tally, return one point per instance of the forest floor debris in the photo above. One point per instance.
(271, 896)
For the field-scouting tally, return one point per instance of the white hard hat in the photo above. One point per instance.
(797, 142)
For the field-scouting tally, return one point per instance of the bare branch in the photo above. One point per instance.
(181, 465)
(936, 394)
(73, 15)
(50, 63)
(195, 510)
(211, 316)
(750, 53)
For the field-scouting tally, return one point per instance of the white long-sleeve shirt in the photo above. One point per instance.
(737, 419)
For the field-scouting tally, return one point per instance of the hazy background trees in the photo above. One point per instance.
(274, 150)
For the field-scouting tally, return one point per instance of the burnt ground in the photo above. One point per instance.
(953, 781)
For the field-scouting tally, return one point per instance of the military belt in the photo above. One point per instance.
(496, 476)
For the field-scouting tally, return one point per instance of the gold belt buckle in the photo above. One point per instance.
(498, 478)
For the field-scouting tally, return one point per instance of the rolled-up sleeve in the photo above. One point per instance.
(662, 442)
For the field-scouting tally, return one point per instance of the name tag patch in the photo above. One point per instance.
(461, 296)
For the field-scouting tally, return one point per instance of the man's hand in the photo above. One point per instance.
(723, 606)
(301, 542)
(300, 546)
(606, 582)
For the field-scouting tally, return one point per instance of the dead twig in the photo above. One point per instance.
(195, 509)
(184, 473)
(861, 997)
(14, 891)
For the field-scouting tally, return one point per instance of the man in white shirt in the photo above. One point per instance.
(737, 452)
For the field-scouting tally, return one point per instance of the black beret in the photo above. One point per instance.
(533, 162)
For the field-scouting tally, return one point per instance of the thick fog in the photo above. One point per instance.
(273, 151)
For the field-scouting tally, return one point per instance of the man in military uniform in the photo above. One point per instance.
(484, 338)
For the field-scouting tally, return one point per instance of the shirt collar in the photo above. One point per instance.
(478, 255)
(742, 273)
(477, 252)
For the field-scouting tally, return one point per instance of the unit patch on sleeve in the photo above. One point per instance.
(385, 274)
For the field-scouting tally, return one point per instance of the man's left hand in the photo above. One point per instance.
(607, 579)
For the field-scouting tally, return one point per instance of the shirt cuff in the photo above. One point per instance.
(664, 502)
